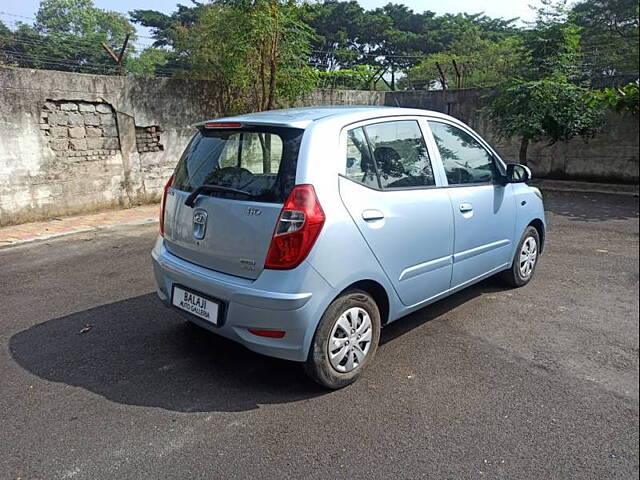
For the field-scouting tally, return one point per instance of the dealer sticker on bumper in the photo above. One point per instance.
(195, 304)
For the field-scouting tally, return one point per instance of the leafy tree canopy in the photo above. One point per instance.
(256, 52)
(609, 31)
(150, 62)
(164, 27)
(547, 102)
(67, 35)
(471, 60)
(390, 46)
(544, 110)
(623, 99)
(391, 38)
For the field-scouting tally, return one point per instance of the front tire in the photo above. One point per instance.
(525, 259)
(345, 341)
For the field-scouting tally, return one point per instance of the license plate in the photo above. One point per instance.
(196, 304)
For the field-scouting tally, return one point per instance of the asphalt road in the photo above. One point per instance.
(98, 380)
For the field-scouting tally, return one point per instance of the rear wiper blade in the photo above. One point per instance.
(191, 199)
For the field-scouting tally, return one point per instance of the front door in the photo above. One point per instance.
(391, 192)
(483, 208)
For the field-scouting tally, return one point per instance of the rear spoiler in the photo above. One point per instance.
(233, 123)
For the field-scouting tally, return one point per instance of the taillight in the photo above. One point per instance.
(163, 203)
(298, 227)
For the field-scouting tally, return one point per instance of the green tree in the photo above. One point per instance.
(360, 77)
(67, 35)
(257, 52)
(400, 40)
(165, 27)
(5, 40)
(472, 60)
(546, 102)
(390, 39)
(544, 110)
(5, 33)
(149, 62)
(382, 43)
(553, 44)
(623, 99)
(609, 39)
(339, 27)
(449, 27)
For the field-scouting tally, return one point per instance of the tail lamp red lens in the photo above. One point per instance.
(298, 227)
(267, 333)
(163, 203)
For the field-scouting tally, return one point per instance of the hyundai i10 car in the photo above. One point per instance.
(301, 233)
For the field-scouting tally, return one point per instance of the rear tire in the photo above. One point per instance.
(525, 259)
(345, 341)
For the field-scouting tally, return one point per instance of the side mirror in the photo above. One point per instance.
(517, 173)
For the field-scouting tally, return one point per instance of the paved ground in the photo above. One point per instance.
(29, 232)
(97, 380)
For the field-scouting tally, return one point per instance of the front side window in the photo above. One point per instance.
(464, 159)
(400, 154)
(259, 161)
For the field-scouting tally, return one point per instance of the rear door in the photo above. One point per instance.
(230, 231)
(392, 193)
(483, 208)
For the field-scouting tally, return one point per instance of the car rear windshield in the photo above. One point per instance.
(259, 161)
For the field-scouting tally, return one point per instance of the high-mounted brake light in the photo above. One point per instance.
(223, 125)
(298, 227)
(163, 203)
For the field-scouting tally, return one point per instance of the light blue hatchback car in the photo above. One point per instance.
(300, 233)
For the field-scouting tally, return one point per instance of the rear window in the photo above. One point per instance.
(260, 161)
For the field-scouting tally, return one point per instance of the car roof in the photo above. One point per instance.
(304, 116)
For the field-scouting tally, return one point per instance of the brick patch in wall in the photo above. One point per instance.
(80, 130)
(148, 139)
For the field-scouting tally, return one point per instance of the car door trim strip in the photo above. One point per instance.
(425, 267)
(467, 254)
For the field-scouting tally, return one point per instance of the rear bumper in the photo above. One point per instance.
(292, 301)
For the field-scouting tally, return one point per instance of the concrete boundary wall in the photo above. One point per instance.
(72, 143)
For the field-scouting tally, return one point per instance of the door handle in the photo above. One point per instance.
(371, 215)
(466, 207)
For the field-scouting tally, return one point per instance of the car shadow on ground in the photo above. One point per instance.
(440, 308)
(138, 352)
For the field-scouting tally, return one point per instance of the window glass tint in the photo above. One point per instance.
(400, 154)
(360, 167)
(259, 161)
(465, 160)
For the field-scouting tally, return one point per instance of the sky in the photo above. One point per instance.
(495, 8)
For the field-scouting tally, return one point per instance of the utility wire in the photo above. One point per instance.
(37, 41)
(34, 19)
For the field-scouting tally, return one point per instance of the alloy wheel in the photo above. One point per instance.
(350, 340)
(528, 257)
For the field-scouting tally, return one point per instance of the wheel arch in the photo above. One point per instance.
(377, 291)
(539, 226)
